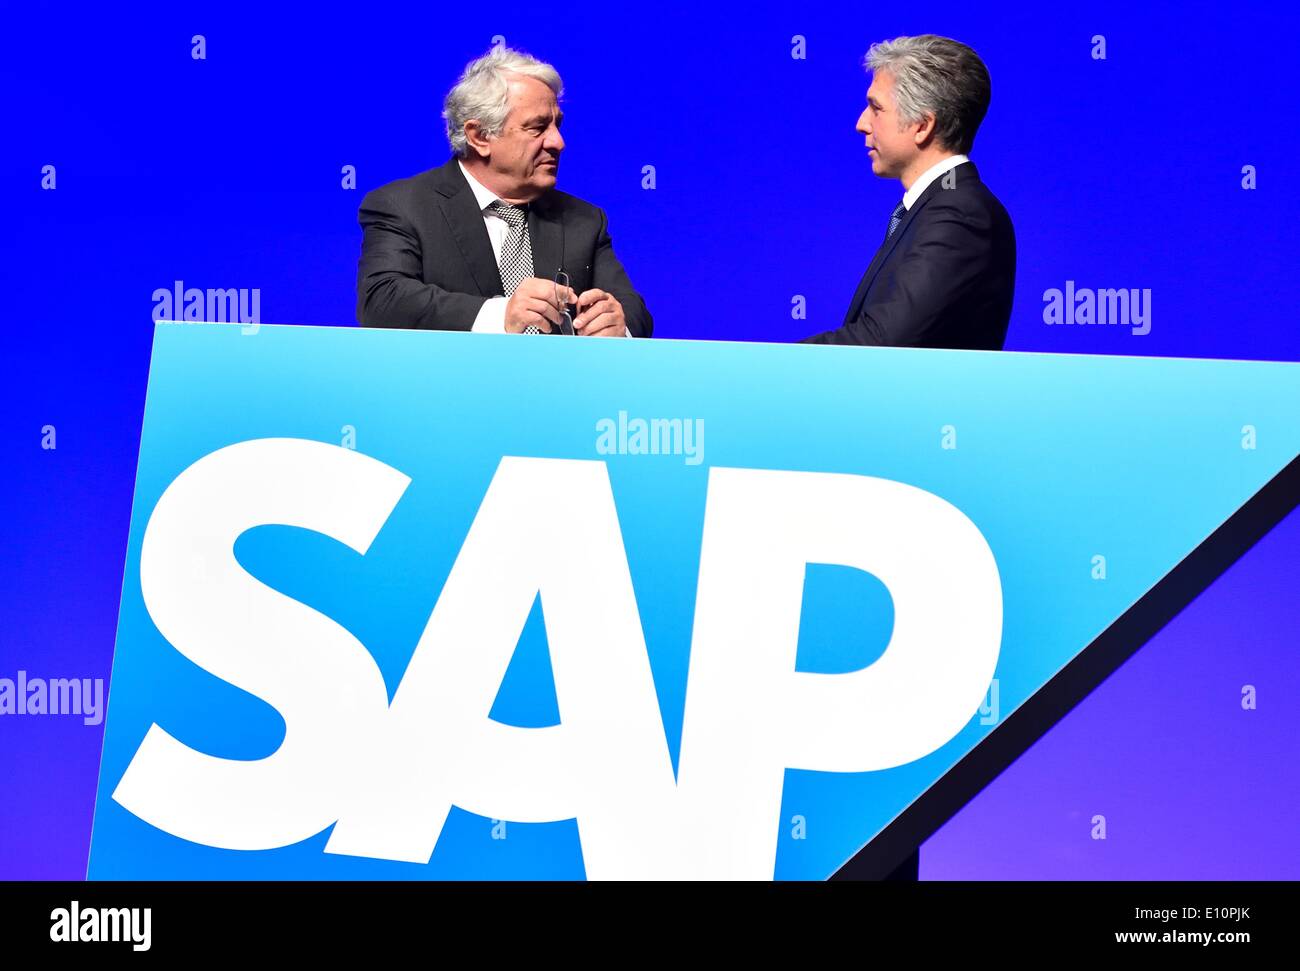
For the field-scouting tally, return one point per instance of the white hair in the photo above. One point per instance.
(482, 93)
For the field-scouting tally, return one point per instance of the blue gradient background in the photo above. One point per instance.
(444, 408)
(225, 173)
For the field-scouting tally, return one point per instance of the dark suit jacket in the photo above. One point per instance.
(944, 279)
(427, 263)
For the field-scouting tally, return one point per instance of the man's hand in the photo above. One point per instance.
(599, 315)
(533, 302)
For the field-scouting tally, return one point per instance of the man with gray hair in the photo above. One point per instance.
(945, 274)
(485, 242)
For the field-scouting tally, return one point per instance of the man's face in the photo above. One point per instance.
(526, 155)
(891, 150)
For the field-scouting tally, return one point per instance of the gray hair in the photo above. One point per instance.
(482, 93)
(937, 76)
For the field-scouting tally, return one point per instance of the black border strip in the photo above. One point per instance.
(1096, 662)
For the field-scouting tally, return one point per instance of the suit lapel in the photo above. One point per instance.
(465, 221)
(546, 234)
(873, 268)
(966, 170)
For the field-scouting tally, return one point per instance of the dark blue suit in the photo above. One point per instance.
(944, 279)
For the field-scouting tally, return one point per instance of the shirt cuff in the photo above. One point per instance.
(491, 317)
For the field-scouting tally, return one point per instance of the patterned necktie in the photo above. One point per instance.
(516, 263)
(895, 220)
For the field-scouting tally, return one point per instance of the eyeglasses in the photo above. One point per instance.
(561, 300)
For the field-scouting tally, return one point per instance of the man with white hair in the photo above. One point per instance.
(944, 276)
(485, 242)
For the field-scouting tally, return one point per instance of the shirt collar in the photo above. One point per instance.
(929, 175)
(482, 194)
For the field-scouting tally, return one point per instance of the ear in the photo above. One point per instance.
(924, 131)
(478, 141)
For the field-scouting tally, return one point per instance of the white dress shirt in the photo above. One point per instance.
(491, 317)
(928, 176)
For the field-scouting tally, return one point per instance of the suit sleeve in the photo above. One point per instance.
(391, 291)
(607, 274)
(951, 251)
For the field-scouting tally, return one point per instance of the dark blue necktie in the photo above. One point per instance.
(895, 219)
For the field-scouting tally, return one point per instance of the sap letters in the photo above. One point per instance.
(386, 776)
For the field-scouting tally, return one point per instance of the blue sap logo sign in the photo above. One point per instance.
(386, 776)
(337, 663)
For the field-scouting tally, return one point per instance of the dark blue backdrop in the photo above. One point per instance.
(227, 172)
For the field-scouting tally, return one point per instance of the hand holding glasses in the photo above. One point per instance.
(567, 308)
(557, 305)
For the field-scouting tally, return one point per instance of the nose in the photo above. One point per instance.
(864, 125)
(554, 141)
